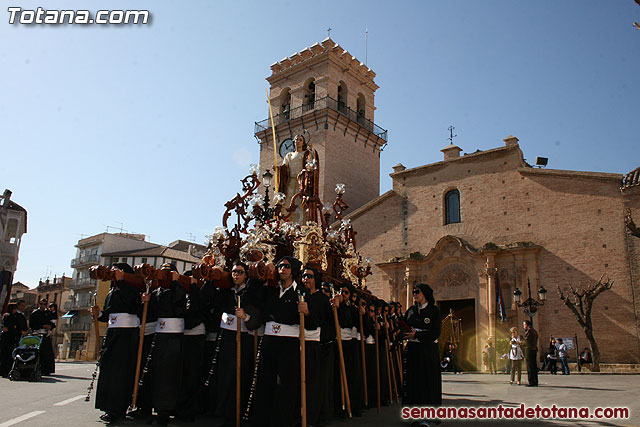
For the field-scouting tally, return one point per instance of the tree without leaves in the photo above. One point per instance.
(581, 306)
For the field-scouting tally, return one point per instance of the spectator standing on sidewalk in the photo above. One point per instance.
(562, 355)
(531, 353)
(515, 355)
(552, 357)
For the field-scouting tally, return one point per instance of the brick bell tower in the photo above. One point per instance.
(326, 94)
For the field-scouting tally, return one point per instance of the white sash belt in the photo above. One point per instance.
(211, 336)
(150, 328)
(312, 335)
(355, 333)
(228, 321)
(123, 320)
(346, 334)
(281, 330)
(196, 330)
(170, 325)
(370, 340)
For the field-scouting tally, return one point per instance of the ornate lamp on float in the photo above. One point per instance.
(530, 305)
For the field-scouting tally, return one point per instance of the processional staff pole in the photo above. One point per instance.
(343, 371)
(238, 363)
(136, 378)
(392, 383)
(96, 326)
(303, 372)
(275, 149)
(364, 362)
(375, 328)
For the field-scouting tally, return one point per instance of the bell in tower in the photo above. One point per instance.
(322, 101)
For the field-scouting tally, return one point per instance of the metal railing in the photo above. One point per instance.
(319, 104)
(77, 305)
(85, 260)
(83, 283)
(68, 327)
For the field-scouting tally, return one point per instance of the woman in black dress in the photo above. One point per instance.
(423, 379)
(8, 339)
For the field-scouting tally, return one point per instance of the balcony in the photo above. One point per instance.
(77, 305)
(320, 104)
(85, 283)
(75, 327)
(85, 260)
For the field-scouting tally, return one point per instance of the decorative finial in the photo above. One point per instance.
(329, 32)
(451, 135)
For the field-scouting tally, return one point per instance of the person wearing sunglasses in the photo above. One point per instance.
(317, 324)
(40, 323)
(119, 347)
(348, 318)
(278, 384)
(368, 325)
(328, 361)
(250, 294)
(423, 379)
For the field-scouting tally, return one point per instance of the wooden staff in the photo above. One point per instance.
(364, 362)
(303, 371)
(134, 400)
(391, 395)
(343, 371)
(399, 359)
(375, 328)
(390, 359)
(238, 363)
(96, 326)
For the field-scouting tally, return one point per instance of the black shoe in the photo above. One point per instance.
(109, 417)
(531, 385)
(139, 414)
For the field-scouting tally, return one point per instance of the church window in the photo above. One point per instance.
(285, 104)
(452, 207)
(361, 108)
(309, 96)
(342, 97)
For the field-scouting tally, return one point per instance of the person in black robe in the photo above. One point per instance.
(192, 354)
(423, 379)
(278, 388)
(209, 295)
(22, 327)
(166, 358)
(385, 396)
(8, 339)
(319, 315)
(369, 325)
(144, 404)
(120, 347)
(40, 324)
(251, 294)
(327, 360)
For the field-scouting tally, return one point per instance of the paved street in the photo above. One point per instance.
(59, 400)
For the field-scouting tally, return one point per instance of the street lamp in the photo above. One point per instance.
(265, 213)
(530, 305)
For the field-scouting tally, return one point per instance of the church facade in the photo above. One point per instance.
(485, 223)
(472, 226)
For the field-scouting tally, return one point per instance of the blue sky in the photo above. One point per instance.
(151, 126)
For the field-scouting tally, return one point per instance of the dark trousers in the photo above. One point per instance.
(532, 367)
(327, 379)
(278, 389)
